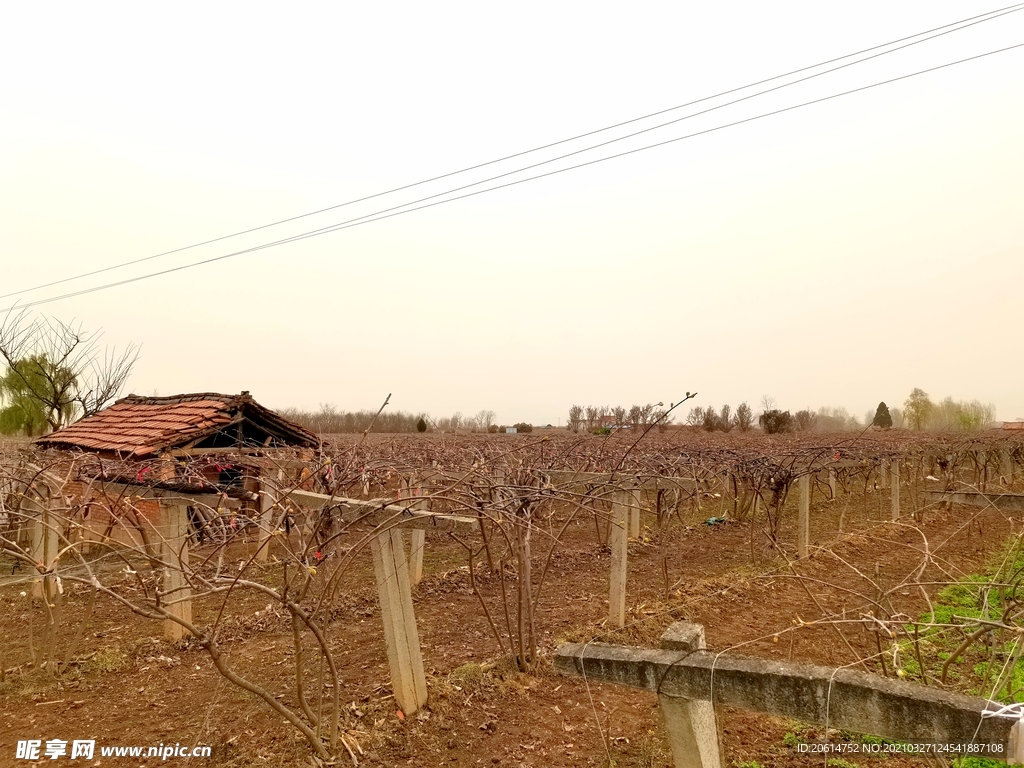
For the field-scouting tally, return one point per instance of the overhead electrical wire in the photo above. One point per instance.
(959, 25)
(380, 215)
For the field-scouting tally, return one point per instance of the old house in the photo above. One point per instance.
(146, 428)
(213, 447)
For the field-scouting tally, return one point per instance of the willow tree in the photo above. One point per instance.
(22, 413)
(58, 370)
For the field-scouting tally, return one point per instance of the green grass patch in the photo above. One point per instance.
(978, 762)
(941, 631)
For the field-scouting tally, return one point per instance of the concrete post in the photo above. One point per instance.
(982, 477)
(804, 522)
(44, 544)
(177, 595)
(400, 634)
(617, 540)
(883, 474)
(417, 536)
(634, 513)
(269, 495)
(895, 490)
(1007, 468)
(831, 485)
(690, 723)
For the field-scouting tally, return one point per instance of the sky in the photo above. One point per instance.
(835, 254)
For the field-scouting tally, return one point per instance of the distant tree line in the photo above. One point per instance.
(330, 420)
(520, 427)
(771, 420)
(592, 418)
(918, 412)
(722, 420)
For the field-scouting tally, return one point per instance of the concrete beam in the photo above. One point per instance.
(839, 698)
(568, 478)
(1007, 502)
(653, 482)
(213, 499)
(377, 511)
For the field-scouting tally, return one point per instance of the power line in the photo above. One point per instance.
(376, 215)
(387, 215)
(978, 19)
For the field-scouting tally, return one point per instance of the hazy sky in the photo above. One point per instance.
(838, 254)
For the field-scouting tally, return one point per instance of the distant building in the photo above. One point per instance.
(510, 430)
(1013, 425)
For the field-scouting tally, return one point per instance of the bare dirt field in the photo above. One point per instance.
(126, 685)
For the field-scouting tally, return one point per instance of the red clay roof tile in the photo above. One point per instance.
(139, 426)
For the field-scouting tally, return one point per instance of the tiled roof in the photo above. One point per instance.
(135, 427)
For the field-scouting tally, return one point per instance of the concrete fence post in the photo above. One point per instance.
(895, 490)
(634, 513)
(690, 723)
(417, 536)
(173, 547)
(831, 485)
(1007, 474)
(269, 495)
(804, 522)
(400, 634)
(44, 544)
(883, 475)
(618, 540)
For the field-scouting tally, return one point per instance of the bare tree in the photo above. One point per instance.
(744, 417)
(918, 408)
(62, 367)
(710, 422)
(726, 421)
(804, 420)
(619, 414)
(635, 416)
(484, 419)
(575, 418)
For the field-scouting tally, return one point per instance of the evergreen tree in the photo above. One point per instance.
(775, 422)
(882, 418)
(421, 425)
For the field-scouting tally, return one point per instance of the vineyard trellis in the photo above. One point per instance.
(159, 537)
